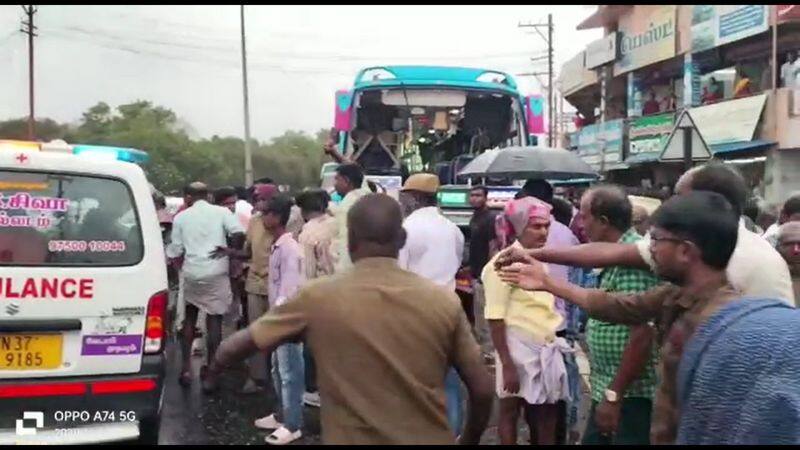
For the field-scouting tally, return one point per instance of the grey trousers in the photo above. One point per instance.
(257, 306)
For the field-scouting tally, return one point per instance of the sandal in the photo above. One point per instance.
(283, 436)
(185, 379)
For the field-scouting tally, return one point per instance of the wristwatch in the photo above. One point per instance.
(611, 396)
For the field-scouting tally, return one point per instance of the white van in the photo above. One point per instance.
(83, 292)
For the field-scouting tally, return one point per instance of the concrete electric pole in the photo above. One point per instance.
(30, 29)
(551, 106)
(248, 153)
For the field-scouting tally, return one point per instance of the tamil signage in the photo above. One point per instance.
(601, 51)
(650, 133)
(602, 141)
(715, 25)
(729, 121)
(647, 40)
(575, 76)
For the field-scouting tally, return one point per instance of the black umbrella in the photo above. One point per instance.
(529, 163)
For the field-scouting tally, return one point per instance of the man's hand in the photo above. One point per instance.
(531, 276)
(606, 416)
(512, 255)
(220, 252)
(510, 378)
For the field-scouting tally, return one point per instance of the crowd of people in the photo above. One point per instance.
(350, 306)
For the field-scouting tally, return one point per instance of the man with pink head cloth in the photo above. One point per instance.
(531, 373)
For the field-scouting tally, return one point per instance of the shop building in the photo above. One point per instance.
(717, 62)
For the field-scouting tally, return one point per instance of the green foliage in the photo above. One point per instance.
(294, 158)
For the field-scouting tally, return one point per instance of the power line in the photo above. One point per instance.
(284, 54)
(8, 36)
(228, 64)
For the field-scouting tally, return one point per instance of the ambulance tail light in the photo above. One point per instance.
(16, 145)
(155, 329)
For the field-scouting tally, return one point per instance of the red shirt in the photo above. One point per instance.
(650, 107)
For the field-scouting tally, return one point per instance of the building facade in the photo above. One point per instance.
(714, 61)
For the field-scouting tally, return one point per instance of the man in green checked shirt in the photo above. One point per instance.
(622, 358)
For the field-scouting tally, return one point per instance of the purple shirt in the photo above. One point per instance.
(560, 236)
(285, 270)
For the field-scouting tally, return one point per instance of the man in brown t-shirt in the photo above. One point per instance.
(383, 339)
(691, 240)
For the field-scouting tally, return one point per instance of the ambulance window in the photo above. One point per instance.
(52, 219)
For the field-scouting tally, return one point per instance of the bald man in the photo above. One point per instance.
(197, 235)
(641, 220)
(789, 248)
(382, 338)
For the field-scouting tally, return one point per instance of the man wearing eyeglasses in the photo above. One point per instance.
(691, 242)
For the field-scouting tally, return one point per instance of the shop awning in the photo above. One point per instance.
(618, 166)
(603, 16)
(641, 158)
(572, 181)
(731, 147)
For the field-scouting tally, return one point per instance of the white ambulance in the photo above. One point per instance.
(83, 293)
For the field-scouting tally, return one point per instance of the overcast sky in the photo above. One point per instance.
(187, 58)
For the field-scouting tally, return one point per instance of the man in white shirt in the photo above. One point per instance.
(756, 269)
(434, 249)
(198, 234)
(435, 246)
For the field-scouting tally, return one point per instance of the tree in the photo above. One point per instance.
(46, 129)
(294, 158)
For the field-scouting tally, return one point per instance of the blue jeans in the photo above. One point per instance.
(452, 390)
(289, 379)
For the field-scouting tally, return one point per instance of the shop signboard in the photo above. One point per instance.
(646, 40)
(715, 25)
(601, 51)
(729, 121)
(602, 141)
(649, 133)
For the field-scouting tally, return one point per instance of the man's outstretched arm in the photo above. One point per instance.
(628, 309)
(593, 255)
(285, 324)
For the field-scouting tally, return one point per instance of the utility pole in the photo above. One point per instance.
(30, 29)
(550, 101)
(248, 153)
(551, 107)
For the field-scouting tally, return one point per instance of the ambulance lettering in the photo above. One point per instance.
(47, 289)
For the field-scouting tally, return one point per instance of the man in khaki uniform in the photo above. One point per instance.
(257, 252)
(383, 339)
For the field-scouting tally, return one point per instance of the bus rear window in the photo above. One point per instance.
(52, 219)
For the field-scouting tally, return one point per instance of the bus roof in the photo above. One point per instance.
(461, 77)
